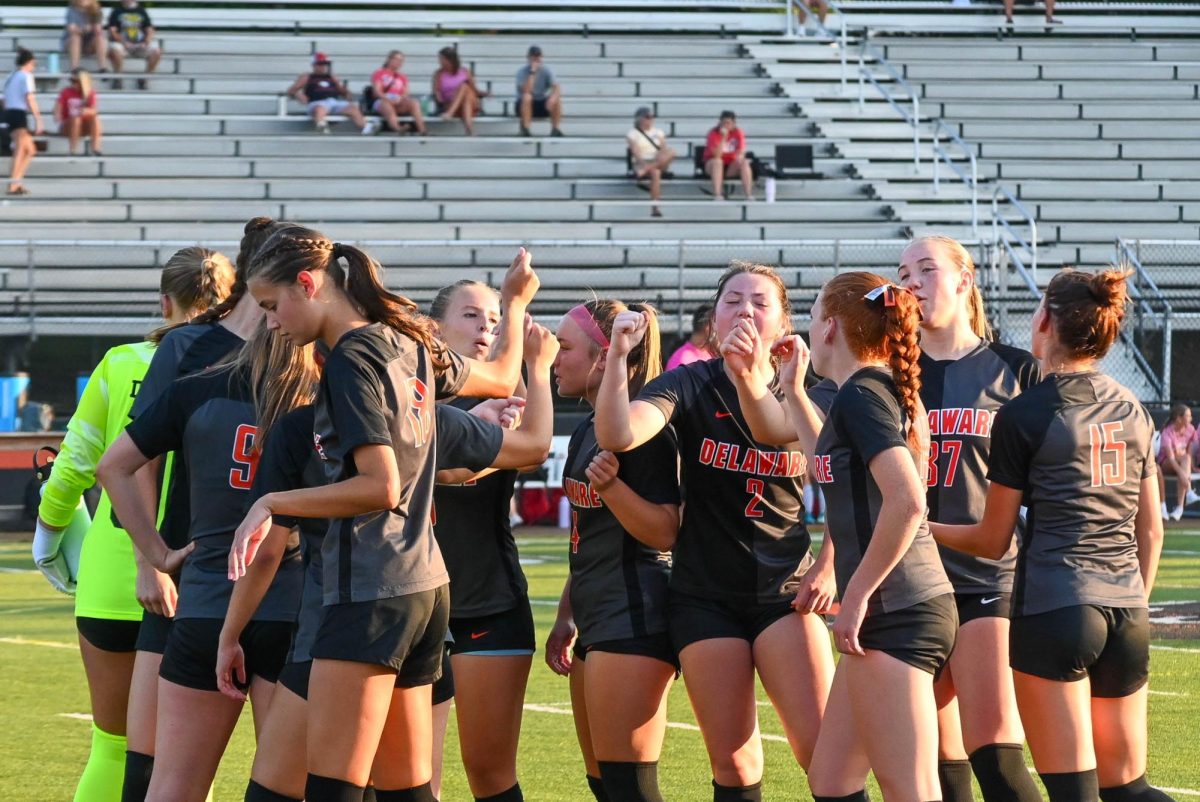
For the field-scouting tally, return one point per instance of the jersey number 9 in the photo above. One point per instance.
(245, 459)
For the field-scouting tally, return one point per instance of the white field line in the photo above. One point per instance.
(1184, 791)
(1170, 603)
(1166, 693)
(78, 716)
(1181, 552)
(1174, 649)
(21, 610)
(48, 643)
(675, 725)
(18, 570)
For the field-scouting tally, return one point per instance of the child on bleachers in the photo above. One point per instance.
(390, 94)
(1175, 455)
(76, 112)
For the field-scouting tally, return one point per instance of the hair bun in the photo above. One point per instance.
(1109, 287)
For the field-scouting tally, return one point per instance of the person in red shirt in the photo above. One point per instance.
(391, 94)
(725, 154)
(75, 110)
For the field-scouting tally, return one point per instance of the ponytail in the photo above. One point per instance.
(649, 362)
(292, 249)
(902, 342)
(196, 279)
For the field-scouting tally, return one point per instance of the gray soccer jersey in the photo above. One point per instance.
(1078, 447)
(866, 419)
(379, 388)
(618, 584)
(961, 397)
(209, 421)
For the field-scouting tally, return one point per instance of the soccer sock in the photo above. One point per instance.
(857, 796)
(511, 795)
(1071, 786)
(737, 793)
(597, 787)
(327, 789)
(1137, 791)
(369, 794)
(258, 793)
(105, 770)
(138, 768)
(631, 782)
(955, 778)
(421, 793)
(1000, 769)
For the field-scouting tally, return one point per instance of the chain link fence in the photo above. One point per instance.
(1174, 265)
(95, 287)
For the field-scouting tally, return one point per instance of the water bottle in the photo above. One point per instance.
(52, 61)
(769, 186)
(564, 513)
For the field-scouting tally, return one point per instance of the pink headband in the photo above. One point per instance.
(583, 318)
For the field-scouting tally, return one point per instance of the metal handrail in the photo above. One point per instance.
(865, 74)
(997, 222)
(971, 181)
(1143, 286)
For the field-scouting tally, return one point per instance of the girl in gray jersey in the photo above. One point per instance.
(624, 519)
(385, 586)
(897, 620)
(1076, 451)
(965, 378)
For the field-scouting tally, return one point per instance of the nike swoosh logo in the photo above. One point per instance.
(724, 414)
(478, 635)
(989, 601)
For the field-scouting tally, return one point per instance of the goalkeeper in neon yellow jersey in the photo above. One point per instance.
(109, 586)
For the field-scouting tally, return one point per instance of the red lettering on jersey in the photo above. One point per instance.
(708, 447)
(949, 420)
(767, 460)
(320, 449)
(574, 532)
(420, 410)
(1104, 442)
(581, 494)
(722, 456)
(966, 423)
(245, 458)
(983, 422)
(750, 463)
(730, 457)
(822, 469)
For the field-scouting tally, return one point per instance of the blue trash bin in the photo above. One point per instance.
(80, 385)
(11, 387)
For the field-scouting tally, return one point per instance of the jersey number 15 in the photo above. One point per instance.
(1108, 454)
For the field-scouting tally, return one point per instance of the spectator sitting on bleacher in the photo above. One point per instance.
(131, 33)
(391, 98)
(1050, 18)
(455, 91)
(76, 112)
(725, 154)
(84, 29)
(818, 7)
(20, 101)
(324, 94)
(650, 155)
(698, 347)
(538, 95)
(1175, 455)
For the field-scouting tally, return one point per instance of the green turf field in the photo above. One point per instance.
(44, 734)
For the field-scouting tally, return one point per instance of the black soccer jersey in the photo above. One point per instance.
(471, 523)
(866, 418)
(741, 539)
(209, 421)
(822, 394)
(290, 462)
(183, 351)
(379, 387)
(961, 397)
(1078, 446)
(618, 584)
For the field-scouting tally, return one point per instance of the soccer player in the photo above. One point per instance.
(183, 350)
(490, 618)
(742, 558)
(107, 613)
(624, 518)
(211, 421)
(965, 378)
(385, 590)
(897, 620)
(1076, 451)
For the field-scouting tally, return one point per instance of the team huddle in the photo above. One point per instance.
(307, 485)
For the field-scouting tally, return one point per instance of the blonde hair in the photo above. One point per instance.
(961, 259)
(85, 82)
(196, 279)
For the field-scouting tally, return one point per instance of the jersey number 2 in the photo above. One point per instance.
(755, 488)
(1103, 437)
(245, 460)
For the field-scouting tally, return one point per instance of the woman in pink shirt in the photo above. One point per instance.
(1175, 455)
(455, 91)
(391, 94)
(698, 348)
(75, 110)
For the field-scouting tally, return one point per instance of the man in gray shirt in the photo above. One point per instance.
(538, 94)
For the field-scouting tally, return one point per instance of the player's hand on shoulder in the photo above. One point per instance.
(627, 331)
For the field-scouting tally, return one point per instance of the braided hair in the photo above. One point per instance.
(884, 327)
(292, 249)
